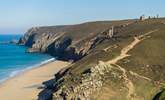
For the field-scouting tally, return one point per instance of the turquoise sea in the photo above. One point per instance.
(14, 59)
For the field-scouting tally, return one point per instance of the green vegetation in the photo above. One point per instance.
(149, 52)
(146, 61)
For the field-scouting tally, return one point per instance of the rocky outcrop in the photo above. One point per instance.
(91, 80)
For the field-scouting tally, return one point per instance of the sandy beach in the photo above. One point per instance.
(24, 86)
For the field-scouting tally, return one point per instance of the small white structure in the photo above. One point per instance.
(142, 18)
(111, 32)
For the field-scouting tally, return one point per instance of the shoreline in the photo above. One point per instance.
(21, 71)
(25, 84)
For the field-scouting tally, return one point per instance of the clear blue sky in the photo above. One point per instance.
(16, 16)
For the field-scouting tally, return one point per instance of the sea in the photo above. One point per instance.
(15, 60)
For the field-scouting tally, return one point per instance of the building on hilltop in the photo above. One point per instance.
(142, 18)
(111, 32)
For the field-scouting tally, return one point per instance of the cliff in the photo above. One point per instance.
(69, 42)
(114, 60)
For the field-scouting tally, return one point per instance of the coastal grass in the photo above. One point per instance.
(149, 53)
(146, 59)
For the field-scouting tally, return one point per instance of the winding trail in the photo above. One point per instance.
(128, 83)
(124, 54)
(140, 76)
(124, 51)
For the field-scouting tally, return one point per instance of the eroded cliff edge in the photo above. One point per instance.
(137, 76)
(69, 42)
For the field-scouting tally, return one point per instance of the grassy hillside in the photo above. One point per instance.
(140, 76)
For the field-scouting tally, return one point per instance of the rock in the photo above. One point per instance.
(14, 41)
(91, 80)
(45, 95)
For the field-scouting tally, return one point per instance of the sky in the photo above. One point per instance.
(17, 16)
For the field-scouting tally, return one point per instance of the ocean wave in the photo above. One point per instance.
(20, 71)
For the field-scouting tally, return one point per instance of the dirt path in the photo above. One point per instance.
(124, 54)
(140, 76)
(128, 83)
(124, 51)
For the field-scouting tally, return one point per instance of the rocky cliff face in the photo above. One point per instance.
(128, 65)
(91, 81)
(69, 42)
(137, 75)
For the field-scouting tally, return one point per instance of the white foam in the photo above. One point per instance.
(18, 72)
